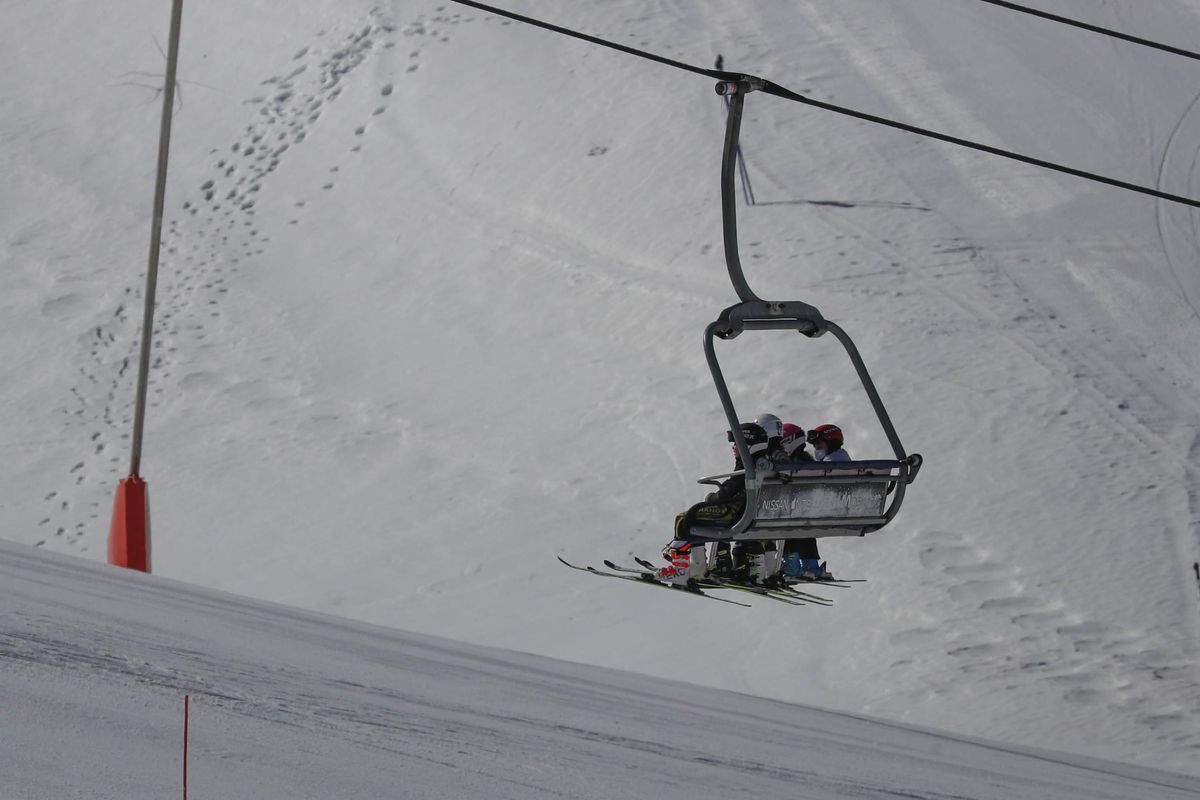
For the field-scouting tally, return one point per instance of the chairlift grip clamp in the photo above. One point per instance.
(744, 84)
(770, 315)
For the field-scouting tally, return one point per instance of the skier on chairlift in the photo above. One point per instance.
(801, 558)
(754, 561)
(792, 445)
(722, 508)
(827, 443)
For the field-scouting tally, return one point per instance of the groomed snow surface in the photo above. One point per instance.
(290, 704)
(429, 315)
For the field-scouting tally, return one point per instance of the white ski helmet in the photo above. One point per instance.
(771, 424)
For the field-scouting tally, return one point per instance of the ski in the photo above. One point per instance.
(761, 591)
(785, 589)
(709, 584)
(647, 567)
(792, 599)
(815, 598)
(647, 580)
(786, 596)
(840, 583)
(778, 592)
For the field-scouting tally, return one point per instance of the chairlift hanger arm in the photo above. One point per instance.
(735, 91)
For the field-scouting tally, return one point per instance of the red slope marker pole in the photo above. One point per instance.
(185, 744)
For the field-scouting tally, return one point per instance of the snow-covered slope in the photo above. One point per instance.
(284, 703)
(431, 306)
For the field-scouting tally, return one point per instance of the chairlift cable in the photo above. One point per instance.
(1094, 28)
(787, 94)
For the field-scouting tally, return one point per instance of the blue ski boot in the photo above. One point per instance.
(813, 569)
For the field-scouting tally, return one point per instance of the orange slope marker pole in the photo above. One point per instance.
(129, 535)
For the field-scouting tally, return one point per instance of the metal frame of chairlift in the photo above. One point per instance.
(800, 499)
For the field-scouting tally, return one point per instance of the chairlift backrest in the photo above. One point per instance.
(813, 500)
(855, 495)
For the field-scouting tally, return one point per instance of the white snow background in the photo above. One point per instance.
(430, 312)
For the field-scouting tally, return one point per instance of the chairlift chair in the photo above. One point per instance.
(800, 499)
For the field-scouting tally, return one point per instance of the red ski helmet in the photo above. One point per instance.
(830, 435)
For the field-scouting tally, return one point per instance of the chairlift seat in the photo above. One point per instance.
(817, 499)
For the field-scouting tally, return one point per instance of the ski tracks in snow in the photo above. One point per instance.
(1011, 625)
(1179, 232)
(213, 236)
(1097, 391)
(1031, 625)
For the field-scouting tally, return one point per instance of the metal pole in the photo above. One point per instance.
(160, 190)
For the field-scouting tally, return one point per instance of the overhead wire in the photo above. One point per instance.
(787, 94)
(1094, 28)
(1163, 162)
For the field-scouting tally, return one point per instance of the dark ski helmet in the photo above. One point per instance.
(756, 438)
